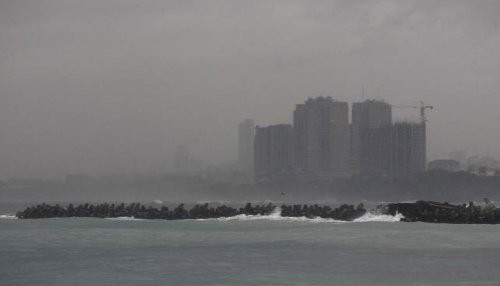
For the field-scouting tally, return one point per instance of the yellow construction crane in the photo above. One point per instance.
(422, 108)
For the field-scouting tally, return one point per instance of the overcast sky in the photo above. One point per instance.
(92, 86)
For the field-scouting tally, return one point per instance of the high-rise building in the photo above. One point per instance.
(274, 152)
(371, 138)
(246, 134)
(321, 128)
(409, 149)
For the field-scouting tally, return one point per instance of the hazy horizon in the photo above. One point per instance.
(98, 87)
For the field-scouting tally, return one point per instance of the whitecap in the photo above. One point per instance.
(276, 216)
(125, 218)
(377, 217)
(7, 216)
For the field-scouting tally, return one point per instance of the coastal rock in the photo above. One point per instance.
(198, 211)
(435, 212)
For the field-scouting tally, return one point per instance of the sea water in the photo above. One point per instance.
(246, 250)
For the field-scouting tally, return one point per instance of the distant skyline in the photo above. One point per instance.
(98, 87)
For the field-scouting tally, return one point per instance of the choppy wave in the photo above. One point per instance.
(7, 216)
(279, 218)
(276, 216)
(126, 218)
(375, 217)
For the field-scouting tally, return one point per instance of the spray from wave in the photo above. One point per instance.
(377, 217)
(124, 218)
(7, 216)
(276, 216)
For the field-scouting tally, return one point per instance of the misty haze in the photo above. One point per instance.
(249, 142)
(98, 87)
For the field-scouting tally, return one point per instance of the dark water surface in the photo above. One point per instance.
(245, 251)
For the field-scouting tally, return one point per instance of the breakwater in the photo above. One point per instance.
(199, 211)
(420, 211)
(436, 212)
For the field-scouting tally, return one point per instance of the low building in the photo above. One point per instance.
(447, 165)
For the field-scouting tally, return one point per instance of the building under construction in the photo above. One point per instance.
(321, 127)
(322, 145)
(371, 138)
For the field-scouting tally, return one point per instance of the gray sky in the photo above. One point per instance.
(90, 86)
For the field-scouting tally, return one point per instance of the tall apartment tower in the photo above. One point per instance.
(274, 152)
(246, 134)
(371, 138)
(409, 149)
(321, 128)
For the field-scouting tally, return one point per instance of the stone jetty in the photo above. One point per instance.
(420, 211)
(436, 212)
(198, 211)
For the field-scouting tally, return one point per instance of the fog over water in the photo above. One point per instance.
(99, 87)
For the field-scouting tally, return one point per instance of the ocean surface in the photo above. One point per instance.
(246, 250)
